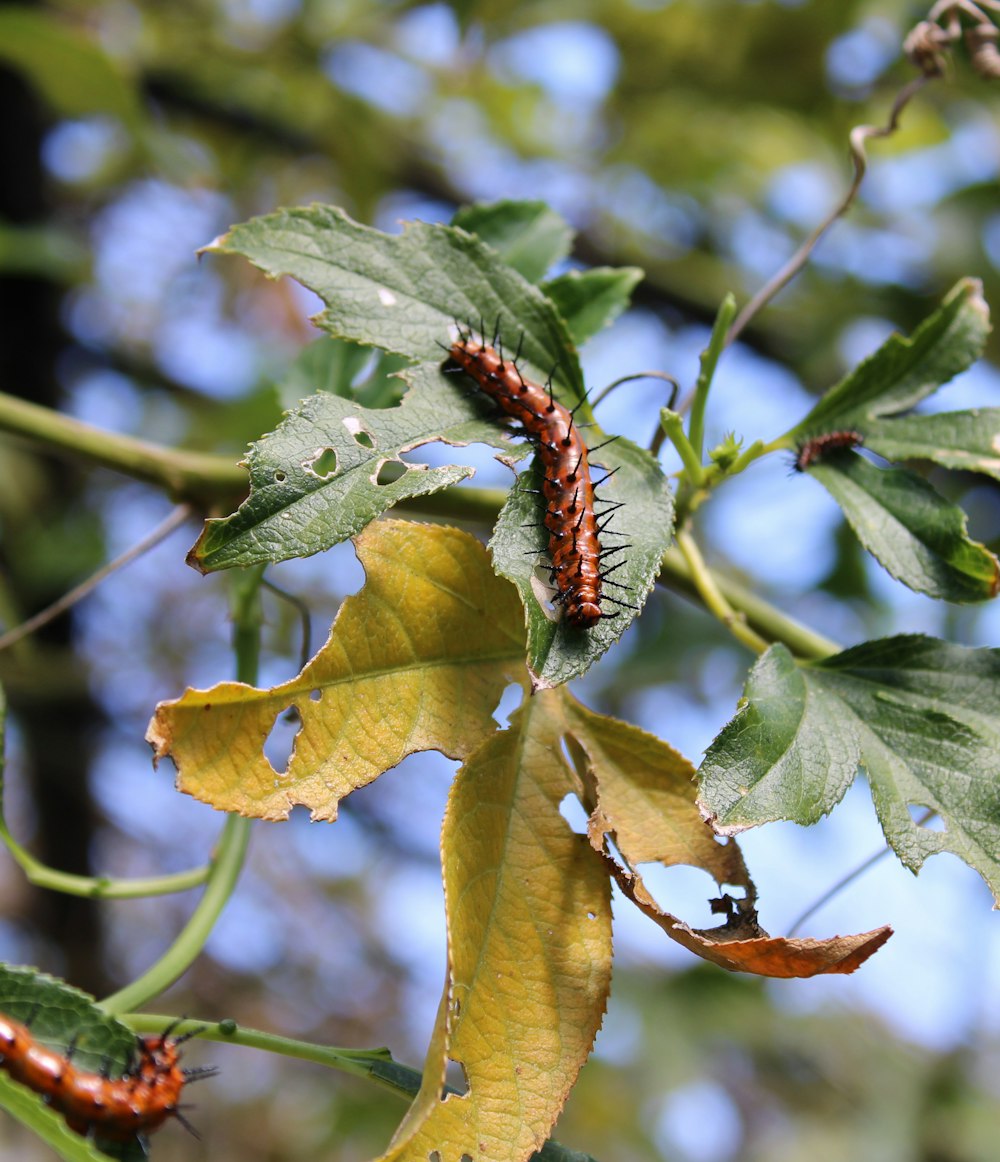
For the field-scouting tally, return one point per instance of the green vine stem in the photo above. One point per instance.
(185, 476)
(709, 361)
(175, 471)
(98, 887)
(761, 615)
(101, 887)
(227, 862)
(376, 1064)
(712, 595)
(225, 869)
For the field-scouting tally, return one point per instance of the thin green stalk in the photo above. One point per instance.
(186, 476)
(225, 871)
(761, 615)
(673, 425)
(374, 1063)
(713, 598)
(98, 887)
(227, 862)
(709, 361)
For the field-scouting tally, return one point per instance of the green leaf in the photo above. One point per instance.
(911, 529)
(59, 1014)
(904, 371)
(70, 71)
(592, 299)
(556, 651)
(529, 236)
(404, 293)
(968, 441)
(921, 717)
(332, 466)
(345, 369)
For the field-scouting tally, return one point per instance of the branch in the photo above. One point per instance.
(202, 480)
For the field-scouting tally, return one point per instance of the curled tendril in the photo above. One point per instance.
(929, 42)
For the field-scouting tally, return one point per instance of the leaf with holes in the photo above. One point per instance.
(920, 716)
(333, 466)
(640, 796)
(403, 293)
(416, 661)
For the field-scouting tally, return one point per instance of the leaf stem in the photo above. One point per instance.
(200, 479)
(673, 425)
(713, 597)
(851, 876)
(227, 862)
(709, 361)
(760, 615)
(371, 1063)
(375, 1064)
(175, 518)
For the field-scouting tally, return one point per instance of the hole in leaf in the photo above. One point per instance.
(389, 471)
(689, 890)
(280, 476)
(323, 463)
(544, 593)
(510, 700)
(433, 1156)
(572, 810)
(456, 1078)
(279, 746)
(360, 434)
(591, 915)
(926, 817)
(315, 695)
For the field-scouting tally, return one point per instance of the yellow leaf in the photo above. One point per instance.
(416, 661)
(529, 930)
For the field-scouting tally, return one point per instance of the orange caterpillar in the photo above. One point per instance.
(115, 1109)
(819, 447)
(567, 490)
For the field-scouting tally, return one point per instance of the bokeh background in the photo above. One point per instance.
(698, 140)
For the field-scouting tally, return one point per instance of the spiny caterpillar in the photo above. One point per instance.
(115, 1109)
(821, 446)
(573, 526)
